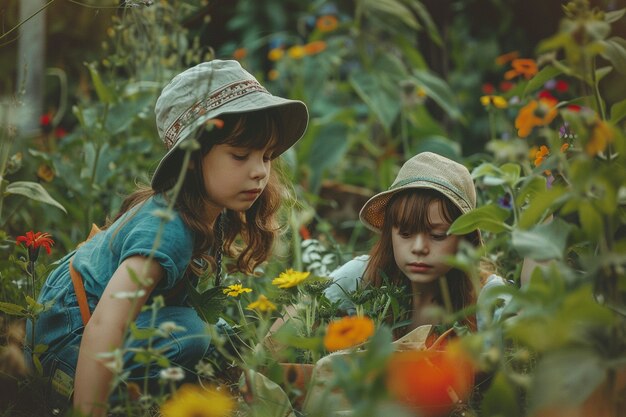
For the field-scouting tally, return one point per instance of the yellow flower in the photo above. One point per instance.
(193, 401)
(275, 54)
(296, 52)
(347, 332)
(235, 290)
(290, 278)
(600, 137)
(262, 304)
(495, 101)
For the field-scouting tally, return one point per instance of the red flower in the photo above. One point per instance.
(488, 88)
(506, 86)
(60, 133)
(45, 120)
(33, 241)
(561, 86)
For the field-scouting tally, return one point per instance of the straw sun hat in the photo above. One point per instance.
(424, 170)
(207, 91)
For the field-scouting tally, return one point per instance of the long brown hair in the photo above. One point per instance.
(408, 209)
(257, 227)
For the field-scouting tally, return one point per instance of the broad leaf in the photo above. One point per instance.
(490, 218)
(547, 73)
(34, 191)
(437, 89)
(565, 377)
(542, 242)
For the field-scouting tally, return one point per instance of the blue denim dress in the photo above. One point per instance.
(60, 327)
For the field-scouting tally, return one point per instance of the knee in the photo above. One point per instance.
(191, 336)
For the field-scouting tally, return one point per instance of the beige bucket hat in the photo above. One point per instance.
(424, 170)
(206, 91)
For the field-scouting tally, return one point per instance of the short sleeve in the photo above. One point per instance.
(346, 279)
(173, 250)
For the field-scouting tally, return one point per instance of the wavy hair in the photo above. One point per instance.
(248, 236)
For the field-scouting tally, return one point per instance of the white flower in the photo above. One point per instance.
(168, 327)
(172, 374)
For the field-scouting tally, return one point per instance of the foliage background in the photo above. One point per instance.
(393, 78)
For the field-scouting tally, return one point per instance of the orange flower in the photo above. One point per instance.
(240, 53)
(508, 57)
(296, 52)
(45, 172)
(564, 147)
(327, 23)
(541, 154)
(314, 47)
(347, 332)
(431, 381)
(526, 67)
(600, 138)
(535, 113)
(273, 74)
(276, 54)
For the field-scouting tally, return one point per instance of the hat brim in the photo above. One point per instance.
(293, 122)
(372, 213)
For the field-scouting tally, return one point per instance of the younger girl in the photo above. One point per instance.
(229, 193)
(413, 217)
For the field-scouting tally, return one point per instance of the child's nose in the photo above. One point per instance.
(259, 169)
(420, 243)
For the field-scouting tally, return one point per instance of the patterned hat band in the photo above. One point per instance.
(220, 97)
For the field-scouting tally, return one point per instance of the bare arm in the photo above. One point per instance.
(105, 332)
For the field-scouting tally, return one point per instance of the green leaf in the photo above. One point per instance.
(34, 191)
(12, 309)
(542, 242)
(614, 16)
(143, 333)
(431, 27)
(565, 377)
(209, 304)
(437, 89)
(378, 87)
(104, 93)
(547, 73)
(489, 218)
(531, 187)
(618, 111)
(540, 205)
(393, 8)
(590, 220)
(615, 52)
(500, 399)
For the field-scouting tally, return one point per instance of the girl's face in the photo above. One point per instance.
(234, 177)
(420, 255)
